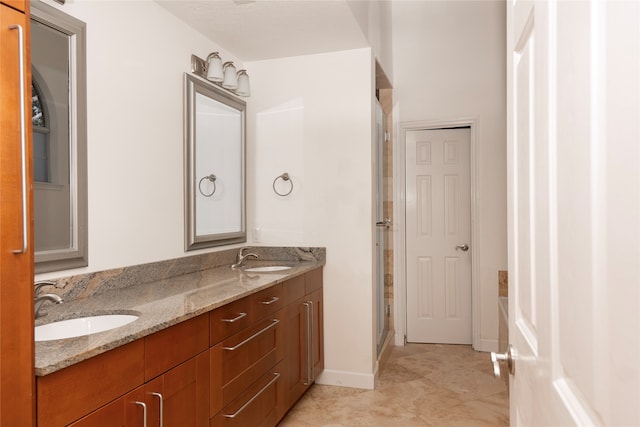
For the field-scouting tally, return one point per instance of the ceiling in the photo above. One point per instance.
(267, 29)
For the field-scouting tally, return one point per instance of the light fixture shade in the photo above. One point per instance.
(243, 83)
(230, 78)
(214, 69)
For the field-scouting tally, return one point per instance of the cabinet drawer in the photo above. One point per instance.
(267, 301)
(230, 319)
(17, 4)
(294, 289)
(238, 361)
(70, 393)
(313, 280)
(174, 345)
(260, 405)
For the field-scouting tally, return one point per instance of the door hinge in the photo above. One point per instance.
(387, 136)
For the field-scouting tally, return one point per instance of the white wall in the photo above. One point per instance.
(136, 56)
(449, 62)
(311, 116)
(375, 20)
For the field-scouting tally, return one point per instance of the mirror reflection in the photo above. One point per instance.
(214, 165)
(59, 139)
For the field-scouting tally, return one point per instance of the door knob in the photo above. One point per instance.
(464, 247)
(509, 357)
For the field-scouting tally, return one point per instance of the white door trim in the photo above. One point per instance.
(399, 212)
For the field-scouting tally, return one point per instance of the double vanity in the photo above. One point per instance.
(212, 347)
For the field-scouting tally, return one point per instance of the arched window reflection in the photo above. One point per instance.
(41, 132)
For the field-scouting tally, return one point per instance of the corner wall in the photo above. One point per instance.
(449, 63)
(312, 117)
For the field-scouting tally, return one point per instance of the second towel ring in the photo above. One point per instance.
(211, 178)
(285, 177)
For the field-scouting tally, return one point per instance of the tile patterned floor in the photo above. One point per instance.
(421, 385)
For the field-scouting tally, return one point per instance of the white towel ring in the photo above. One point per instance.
(285, 177)
(211, 178)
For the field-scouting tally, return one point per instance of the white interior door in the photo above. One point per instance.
(438, 233)
(574, 209)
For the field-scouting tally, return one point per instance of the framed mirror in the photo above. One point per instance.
(59, 119)
(214, 165)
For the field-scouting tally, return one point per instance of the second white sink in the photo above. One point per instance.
(81, 326)
(267, 269)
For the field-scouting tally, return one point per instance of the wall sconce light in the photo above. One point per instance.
(221, 74)
(230, 77)
(214, 67)
(243, 83)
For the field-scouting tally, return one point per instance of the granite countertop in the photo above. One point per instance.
(158, 304)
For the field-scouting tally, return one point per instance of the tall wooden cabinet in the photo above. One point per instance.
(16, 242)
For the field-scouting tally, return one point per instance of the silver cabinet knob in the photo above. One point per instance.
(464, 247)
(509, 357)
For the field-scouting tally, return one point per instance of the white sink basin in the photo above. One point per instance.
(81, 326)
(267, 269)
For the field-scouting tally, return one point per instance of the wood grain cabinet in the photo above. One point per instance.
(304, 336)
(163, 376)
(243, 364)
(71, 393)
(16, 218)
(246, 373)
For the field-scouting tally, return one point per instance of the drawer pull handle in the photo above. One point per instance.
(273, 323)
(271, 301)
(159, 396)
(235, 319)
(276, 375)
(144, 412)
(309, 315)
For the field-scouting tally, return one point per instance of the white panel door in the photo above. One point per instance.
(574, 212)
(438, 233)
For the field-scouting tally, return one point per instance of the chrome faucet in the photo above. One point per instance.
(41, 284)
(40, 300)
(241, 258)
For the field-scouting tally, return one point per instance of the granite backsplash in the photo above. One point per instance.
(86, 285)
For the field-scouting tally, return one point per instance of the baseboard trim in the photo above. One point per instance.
(487, 345)
(347, 379)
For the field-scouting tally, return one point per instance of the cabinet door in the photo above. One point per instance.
(180, 397)
(304, 345)
(317, 333)
(126, 411)
(297, 351)
(16, 268)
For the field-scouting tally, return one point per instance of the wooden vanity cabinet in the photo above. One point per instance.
(243, 364)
